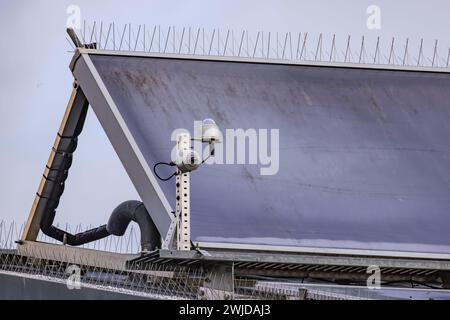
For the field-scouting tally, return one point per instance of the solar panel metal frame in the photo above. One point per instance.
(141, 175)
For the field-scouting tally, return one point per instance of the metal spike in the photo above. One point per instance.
(203, 40)
(405, 54)
(174, 39)
(377, 51)
(240, 45)
(100, 36)
(144, 33)
(129, 37)
(290, 45)
(226, 43)
(448, 57)
(256, 45)
(262, 44)
(391, 53)
(181, 41)
(278, 44)
(196, 40)
(248, 52)
(319, 48)
(304, 46)
(420, 52)
(114, 35)
(298, 45)
(167, 40)
(434, 52)
(107, 36)
(284, 45)
(233, 52)
(137, 38)
(70, 43)
(361, 51)
(333, 47)
(189, 41)
(92, 33)
(159, 38)
(84, 32)
(347, 50)
(123, 35)
(151, 41)
(211, 42)
(218, 41)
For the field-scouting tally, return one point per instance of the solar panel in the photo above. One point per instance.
(364, 154)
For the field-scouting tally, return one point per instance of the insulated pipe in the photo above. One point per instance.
(118, 222)
(134, 211)
(53, 187)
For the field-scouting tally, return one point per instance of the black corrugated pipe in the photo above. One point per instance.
(120, 218)
(118, 222)
(54, 188)
(134, 211)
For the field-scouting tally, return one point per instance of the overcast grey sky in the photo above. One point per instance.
(35, 81)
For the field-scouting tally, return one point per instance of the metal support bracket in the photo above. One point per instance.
(219, 283)
(183, 195)
(166, 245)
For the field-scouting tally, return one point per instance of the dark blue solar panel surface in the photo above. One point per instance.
(364, 154)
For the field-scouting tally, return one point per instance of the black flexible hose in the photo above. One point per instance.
(54, 187)
(135, 211)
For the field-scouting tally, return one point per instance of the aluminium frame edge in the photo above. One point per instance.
(306, 63)
(317, 250)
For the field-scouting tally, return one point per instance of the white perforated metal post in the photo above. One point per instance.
(183, 199)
